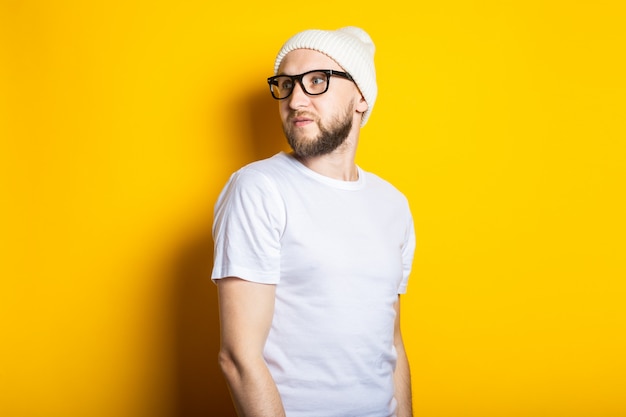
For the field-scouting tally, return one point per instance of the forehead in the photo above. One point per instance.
(303, 60)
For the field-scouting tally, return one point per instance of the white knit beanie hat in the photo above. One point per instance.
(351, 47)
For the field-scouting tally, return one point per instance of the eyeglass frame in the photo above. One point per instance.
(329, 73)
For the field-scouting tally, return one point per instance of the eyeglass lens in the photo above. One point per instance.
(312, 83)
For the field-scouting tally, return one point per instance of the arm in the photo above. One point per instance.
(402, 373)
(246, 311)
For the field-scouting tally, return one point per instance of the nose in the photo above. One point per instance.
(298, 97)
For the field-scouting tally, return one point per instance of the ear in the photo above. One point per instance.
(361, 106)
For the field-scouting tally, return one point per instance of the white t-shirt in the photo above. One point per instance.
(339, 253)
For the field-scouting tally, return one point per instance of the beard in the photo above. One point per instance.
(329, 138)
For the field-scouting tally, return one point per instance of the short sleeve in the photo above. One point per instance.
(408, 251)
(248, 224)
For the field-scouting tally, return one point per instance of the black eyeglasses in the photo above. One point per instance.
(313, 83)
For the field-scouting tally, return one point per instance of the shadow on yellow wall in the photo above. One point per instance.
(200, 386)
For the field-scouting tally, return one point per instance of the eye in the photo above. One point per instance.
(284, 83)
(318, 79)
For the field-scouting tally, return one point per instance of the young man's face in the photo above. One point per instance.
(317, 125)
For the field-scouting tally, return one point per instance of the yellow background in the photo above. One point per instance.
(502, 121)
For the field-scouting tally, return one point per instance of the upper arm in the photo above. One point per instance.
(402, 373)
(397, 332)
(246, 311)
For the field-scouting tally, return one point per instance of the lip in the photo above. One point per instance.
(301, 121)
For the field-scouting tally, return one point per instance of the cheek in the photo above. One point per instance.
(283, 110)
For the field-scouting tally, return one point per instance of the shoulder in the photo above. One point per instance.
(258, 186)
(263, 171)
(270, 166)
(384, 188)
(251, 193)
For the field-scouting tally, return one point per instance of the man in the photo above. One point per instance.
(312, 252)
